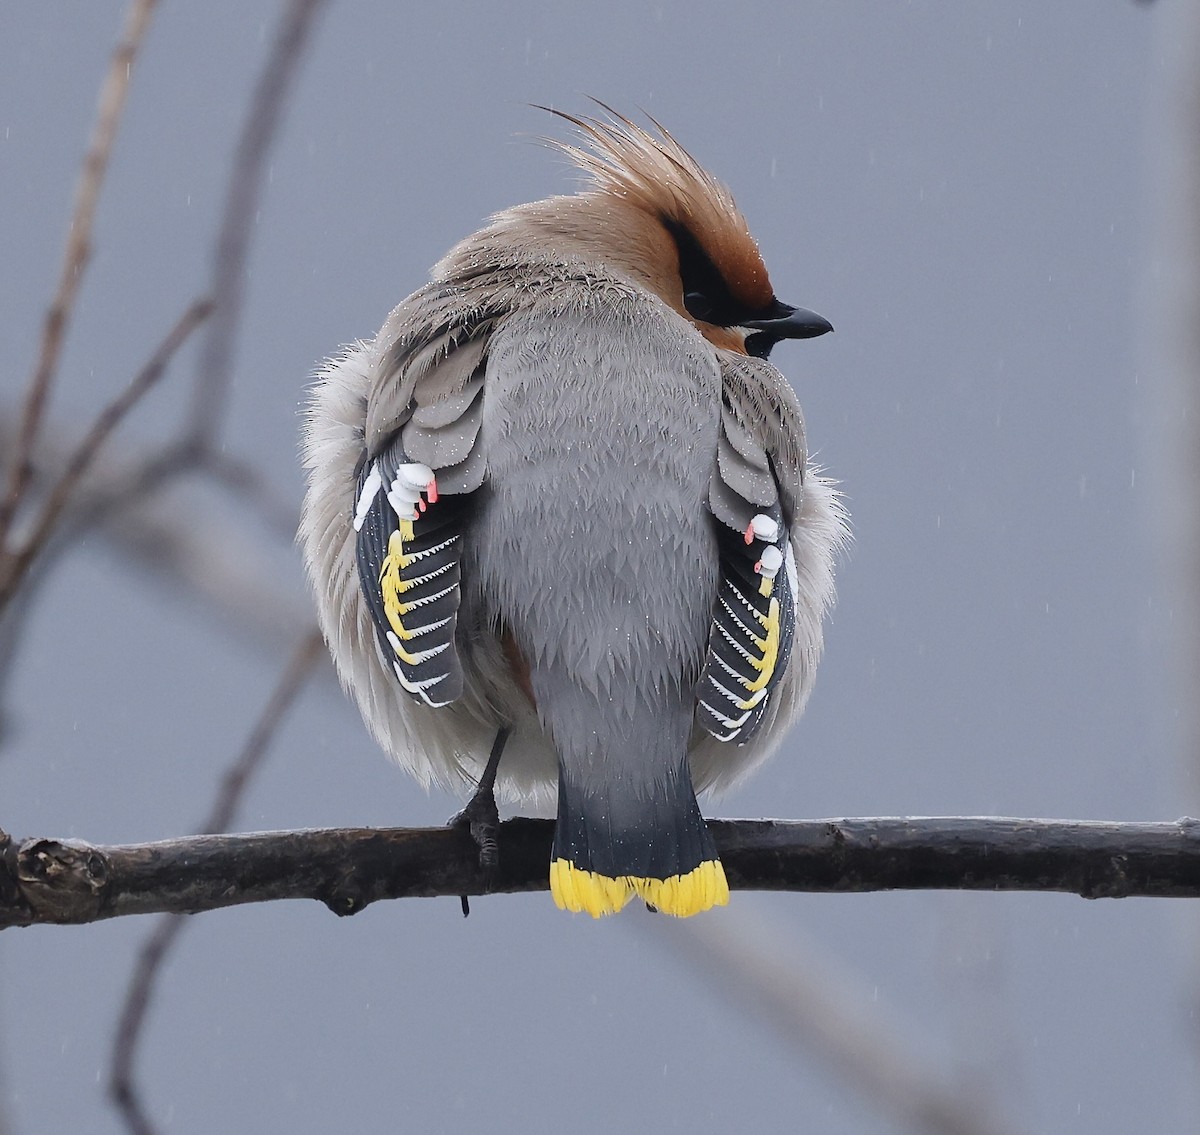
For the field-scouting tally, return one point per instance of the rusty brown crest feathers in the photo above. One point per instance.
(657, 175)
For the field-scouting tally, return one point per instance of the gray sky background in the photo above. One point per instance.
(961, 189)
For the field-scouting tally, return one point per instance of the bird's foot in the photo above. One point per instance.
(482, 818)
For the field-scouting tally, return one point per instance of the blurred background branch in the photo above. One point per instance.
(823, 1013)
(123, 502)
(78, 252)
(16, 562)
(123, 1088)
(263, 120)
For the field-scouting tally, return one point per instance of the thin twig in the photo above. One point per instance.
(190, 543)
(123, 482)
(69, 881)
(245, 480)
(233, 784)
(241, 212)
(122, 1087)
(15, 564)
(204, 554)
(78, 251)
(823, 1014)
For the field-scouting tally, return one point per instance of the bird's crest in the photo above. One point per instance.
(655, 173)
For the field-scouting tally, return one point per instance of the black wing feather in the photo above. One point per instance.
(410, 576)
(754, 616)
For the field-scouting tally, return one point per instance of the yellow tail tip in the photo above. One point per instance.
(681, 895)
(577, 890)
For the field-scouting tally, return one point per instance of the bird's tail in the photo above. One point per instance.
(628, 821)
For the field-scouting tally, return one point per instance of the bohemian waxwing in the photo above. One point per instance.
(560, 523)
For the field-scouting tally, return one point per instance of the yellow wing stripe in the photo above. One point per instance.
(770, 652)
(581, 891)
(391, 585)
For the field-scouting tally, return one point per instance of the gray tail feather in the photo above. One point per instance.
(658, 837)
(626, 805)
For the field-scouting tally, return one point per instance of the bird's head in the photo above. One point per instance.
(657, 214)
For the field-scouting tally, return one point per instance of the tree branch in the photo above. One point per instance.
(122, 1085)
(191, 543)
(69, 881)
(825, 1014)
(78, 251)
(14, 565)
(263, 120)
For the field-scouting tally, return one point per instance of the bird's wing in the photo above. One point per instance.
(422, 464)
(754, 496)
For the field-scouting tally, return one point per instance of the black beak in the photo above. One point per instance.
(787, 322)
(783, 322)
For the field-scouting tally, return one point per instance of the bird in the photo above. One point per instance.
(564, 536)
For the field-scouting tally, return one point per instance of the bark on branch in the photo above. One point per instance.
(68, 881)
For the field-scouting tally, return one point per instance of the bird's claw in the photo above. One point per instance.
(482, 819)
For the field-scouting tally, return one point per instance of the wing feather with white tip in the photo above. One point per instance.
(414, 501)
(754, 496)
